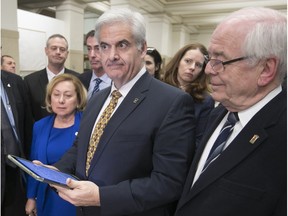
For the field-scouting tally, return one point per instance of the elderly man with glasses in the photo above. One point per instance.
(240, 167)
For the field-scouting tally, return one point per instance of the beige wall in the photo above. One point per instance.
(75, 61)
(10, 46)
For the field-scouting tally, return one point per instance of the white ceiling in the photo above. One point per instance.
(196, 15)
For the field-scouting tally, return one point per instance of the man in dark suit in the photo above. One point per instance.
(57, 51)
(249, 175)
(16, 134)
(96, 79)
(140, 164)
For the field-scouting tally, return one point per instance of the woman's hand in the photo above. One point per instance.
(30, 207)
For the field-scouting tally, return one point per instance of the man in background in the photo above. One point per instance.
(16, 135)
(57, 52)
(8, 63)
(96, 79)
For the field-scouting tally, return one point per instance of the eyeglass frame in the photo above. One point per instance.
(226, 62)
(150, 49)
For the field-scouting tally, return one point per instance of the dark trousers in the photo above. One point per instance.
(13, 203)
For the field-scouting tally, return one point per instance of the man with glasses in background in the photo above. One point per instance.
(57, 52)
(240, 167)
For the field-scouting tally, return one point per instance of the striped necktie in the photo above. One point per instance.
(221, 140)
(96, 86)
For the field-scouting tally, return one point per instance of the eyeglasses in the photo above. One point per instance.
(218, 65)
(150, 49)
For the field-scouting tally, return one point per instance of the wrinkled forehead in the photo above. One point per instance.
(57, 41)
(8, 59)
(228, 37)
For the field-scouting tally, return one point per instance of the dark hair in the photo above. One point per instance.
(89, 34)
(5, 56)
(200, 85)
(151, 51)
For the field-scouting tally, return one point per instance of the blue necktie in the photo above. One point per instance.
(222, 138)
(96, 87)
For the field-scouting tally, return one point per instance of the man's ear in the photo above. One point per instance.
(46, 50)
(144, 49)
(268, 73)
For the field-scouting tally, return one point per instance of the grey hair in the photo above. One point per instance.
(123, 15)
(267, 35)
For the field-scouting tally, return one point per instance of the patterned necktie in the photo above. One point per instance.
(100, 126)
(96, 86)
(222, 138)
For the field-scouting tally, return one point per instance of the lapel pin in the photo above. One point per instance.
(135, 100)
(253, 139)
(9, 85)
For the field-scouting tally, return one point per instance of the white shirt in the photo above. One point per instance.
(244, 117)
(124, 90)
(106, 82)
(51, 75)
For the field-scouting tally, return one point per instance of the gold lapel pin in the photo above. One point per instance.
(135, 100)
(253, 139)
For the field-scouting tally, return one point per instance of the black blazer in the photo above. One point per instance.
(141, 161)
(248, 178)
(17, 95)
(86, 78)
(18, 99)
(36, 83)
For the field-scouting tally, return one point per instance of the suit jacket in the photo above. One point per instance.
(248, 178)
(86, 78)
(36, 83)
(202, 111)
(18, 99)
(11, 184)
(142, 158)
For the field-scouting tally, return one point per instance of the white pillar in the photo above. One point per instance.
(9, 30)
(181, 37)
(72, 13)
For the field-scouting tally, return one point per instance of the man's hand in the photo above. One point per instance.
(81, 193)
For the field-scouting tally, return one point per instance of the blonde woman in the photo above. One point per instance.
(52, 137)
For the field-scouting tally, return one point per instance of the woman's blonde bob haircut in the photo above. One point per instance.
(79, 88)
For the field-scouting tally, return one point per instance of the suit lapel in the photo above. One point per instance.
(43, 80)
(215, 118)
(88, 120)
(237, 151)
(10, 87)
(134, 98)
(240, 148)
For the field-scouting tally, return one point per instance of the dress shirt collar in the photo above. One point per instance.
(124, 90)
(246, 115)
(104, 78)
(51, 75)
